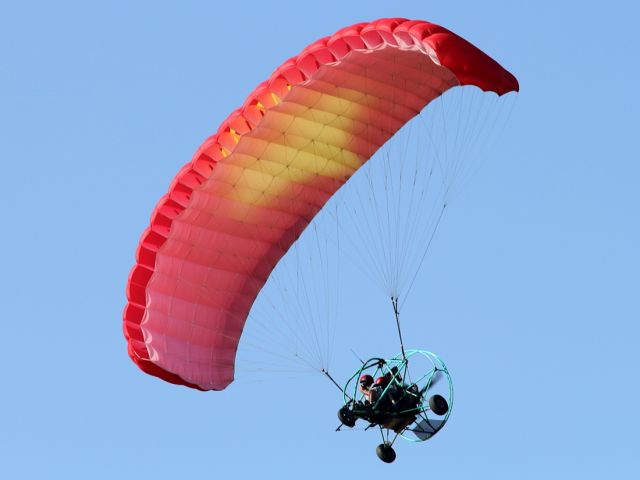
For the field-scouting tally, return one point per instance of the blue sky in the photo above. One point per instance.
(530, 292)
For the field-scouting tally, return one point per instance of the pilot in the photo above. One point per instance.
(370, 390)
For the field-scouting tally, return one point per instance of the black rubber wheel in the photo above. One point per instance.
(346, 417)
(438, 405)
(386, 453)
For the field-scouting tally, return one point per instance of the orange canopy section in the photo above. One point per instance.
(252, 188)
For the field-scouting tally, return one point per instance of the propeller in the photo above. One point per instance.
(435, 379)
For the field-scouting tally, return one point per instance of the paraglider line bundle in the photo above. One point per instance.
(396, 312)
(334, 381)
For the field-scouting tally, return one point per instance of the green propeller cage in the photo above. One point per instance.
(426, 423)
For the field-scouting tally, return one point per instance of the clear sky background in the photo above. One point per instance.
(530, 293)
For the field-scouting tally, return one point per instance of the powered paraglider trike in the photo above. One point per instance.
(412, 403)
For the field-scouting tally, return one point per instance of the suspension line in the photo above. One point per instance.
(394, 302)
(328, 375)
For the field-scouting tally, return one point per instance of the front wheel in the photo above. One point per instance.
(386, 453)
(346, 417)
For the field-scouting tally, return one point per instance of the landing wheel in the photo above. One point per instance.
(386, 453)
(438, 405)
(346, 417)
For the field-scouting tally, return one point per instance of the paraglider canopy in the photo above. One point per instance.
(252, 188)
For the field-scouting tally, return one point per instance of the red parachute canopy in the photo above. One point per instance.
(251, 189)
